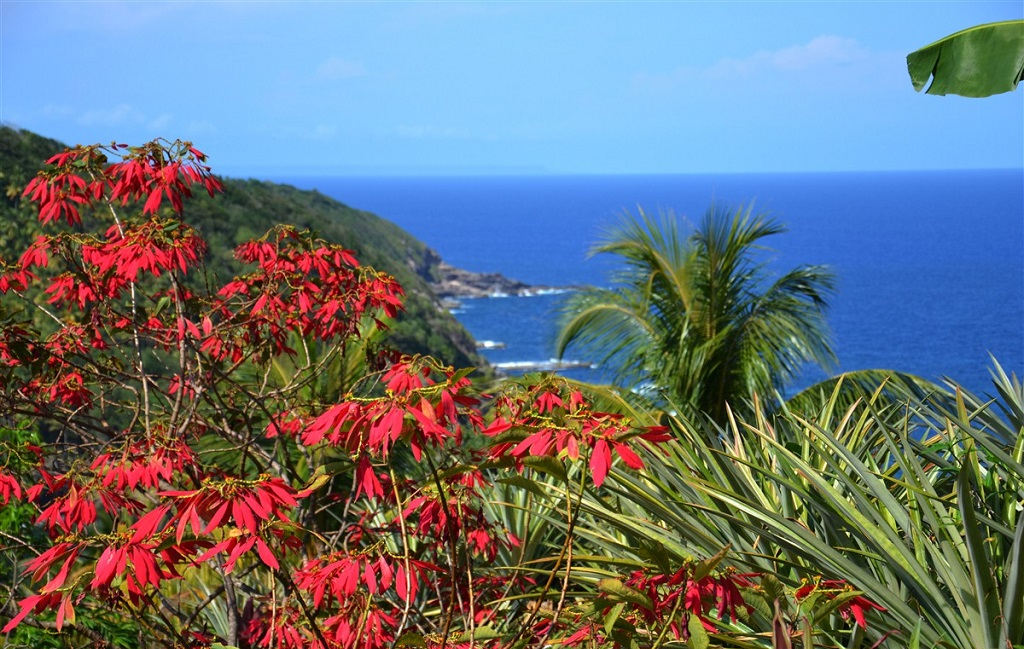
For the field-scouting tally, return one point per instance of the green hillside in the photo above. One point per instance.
(247, 209)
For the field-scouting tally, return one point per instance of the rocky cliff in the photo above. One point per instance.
(451, 284)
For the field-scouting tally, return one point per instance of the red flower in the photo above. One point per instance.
(830, 588)
(545, 426)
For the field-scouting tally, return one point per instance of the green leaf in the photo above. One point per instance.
(546, 464)
(655, 552)
(984, 588)
(411, 640)
(1013, 597)
(977, 62)
(774, 590)
(161, 304)
(317, 480)
(915, 637)
(756, 598)
(831, 605)
(613, 616)
(521, 482)
(480, 633)
(703, 568)
(621, 592)
(625, 638)
(485, 633)
(698, 634)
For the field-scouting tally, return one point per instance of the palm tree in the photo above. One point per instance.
(695, 318)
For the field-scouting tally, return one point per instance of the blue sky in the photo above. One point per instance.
(268, 89)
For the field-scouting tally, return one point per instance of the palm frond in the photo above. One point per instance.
(691, 316)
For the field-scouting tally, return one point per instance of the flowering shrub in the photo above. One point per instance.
(187, 480)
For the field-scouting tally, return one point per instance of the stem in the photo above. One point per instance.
(665, 628)
(182, 358)
(136, 341)
(289, 585)
(405, 554)
(472, 595)
(566, 549)
(572, 516)
(232, 609)
(42, 308)
(449, 551)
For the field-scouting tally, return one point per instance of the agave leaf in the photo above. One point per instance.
(984, 587)
(1013, 597)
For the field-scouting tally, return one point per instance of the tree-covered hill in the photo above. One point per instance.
(248, 208)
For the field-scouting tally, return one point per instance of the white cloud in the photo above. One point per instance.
(336, 68)
(825, 55)
(324, 132)
(119, 115)
(117, 17)
(415, 15)
(429, 132)
(820, 52)
(58, 110)
(161, 122)
(199, 127)
(122, 115)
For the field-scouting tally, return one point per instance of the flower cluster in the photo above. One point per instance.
(554, 419)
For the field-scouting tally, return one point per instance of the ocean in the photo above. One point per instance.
(930, 264)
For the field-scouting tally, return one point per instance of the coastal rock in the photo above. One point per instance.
(458, 283)
(451, 284)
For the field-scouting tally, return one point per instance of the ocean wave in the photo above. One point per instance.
(526, 292)
(550, 365)
(530, 292)
(490, 344)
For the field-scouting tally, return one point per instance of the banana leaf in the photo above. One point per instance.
(978, 62)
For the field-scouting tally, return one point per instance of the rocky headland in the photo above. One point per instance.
(452, 284)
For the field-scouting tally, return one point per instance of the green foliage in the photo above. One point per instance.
(21, 156)
(696, 317)
(20, 538)
(977, 62)
(914, 503)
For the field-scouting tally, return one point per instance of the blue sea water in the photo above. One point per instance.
(930, 264)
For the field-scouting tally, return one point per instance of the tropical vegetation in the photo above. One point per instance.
(696, 319)
(239, 459)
